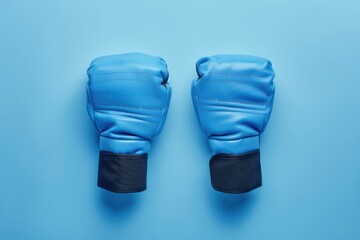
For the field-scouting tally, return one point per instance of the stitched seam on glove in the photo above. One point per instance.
(233, 108)
(240, 79)
(226, 101)
(92, 105)
(234, 139)
(115, 72)
(272, 95)
(167, 100)
(199, 112)
(140, 138)
(121, 113)
(126, 106)
(238, 111)
(122, 79)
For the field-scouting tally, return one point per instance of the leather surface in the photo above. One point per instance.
(233, 98)
(127, 100)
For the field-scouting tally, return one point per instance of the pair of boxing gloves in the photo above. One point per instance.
(128, 97)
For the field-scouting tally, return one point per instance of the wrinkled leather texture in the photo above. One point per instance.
(233, 98)
(127, 100)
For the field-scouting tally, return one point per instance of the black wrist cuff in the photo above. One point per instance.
(122, 173)
(236, 173)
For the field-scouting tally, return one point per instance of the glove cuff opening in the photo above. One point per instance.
(122, 173)
(236, 173)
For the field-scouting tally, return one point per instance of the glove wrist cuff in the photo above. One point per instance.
(122, 173)
(236, 173)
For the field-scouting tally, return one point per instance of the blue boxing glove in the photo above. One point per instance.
(233, 99)
(127, 100)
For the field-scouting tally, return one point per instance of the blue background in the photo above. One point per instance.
(310, 150)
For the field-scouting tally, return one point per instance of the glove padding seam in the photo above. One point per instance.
(126, 106)
(226, 101)
(164, 110)
(234, 139)
(93, 108)
(139, 73)
(198, 110)
(142, 139)
(270, 101)
(240, 78)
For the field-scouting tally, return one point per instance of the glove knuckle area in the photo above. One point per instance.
(133, 80)
(130, 66)
(238, 68)
(232, 95)
(128, 97)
